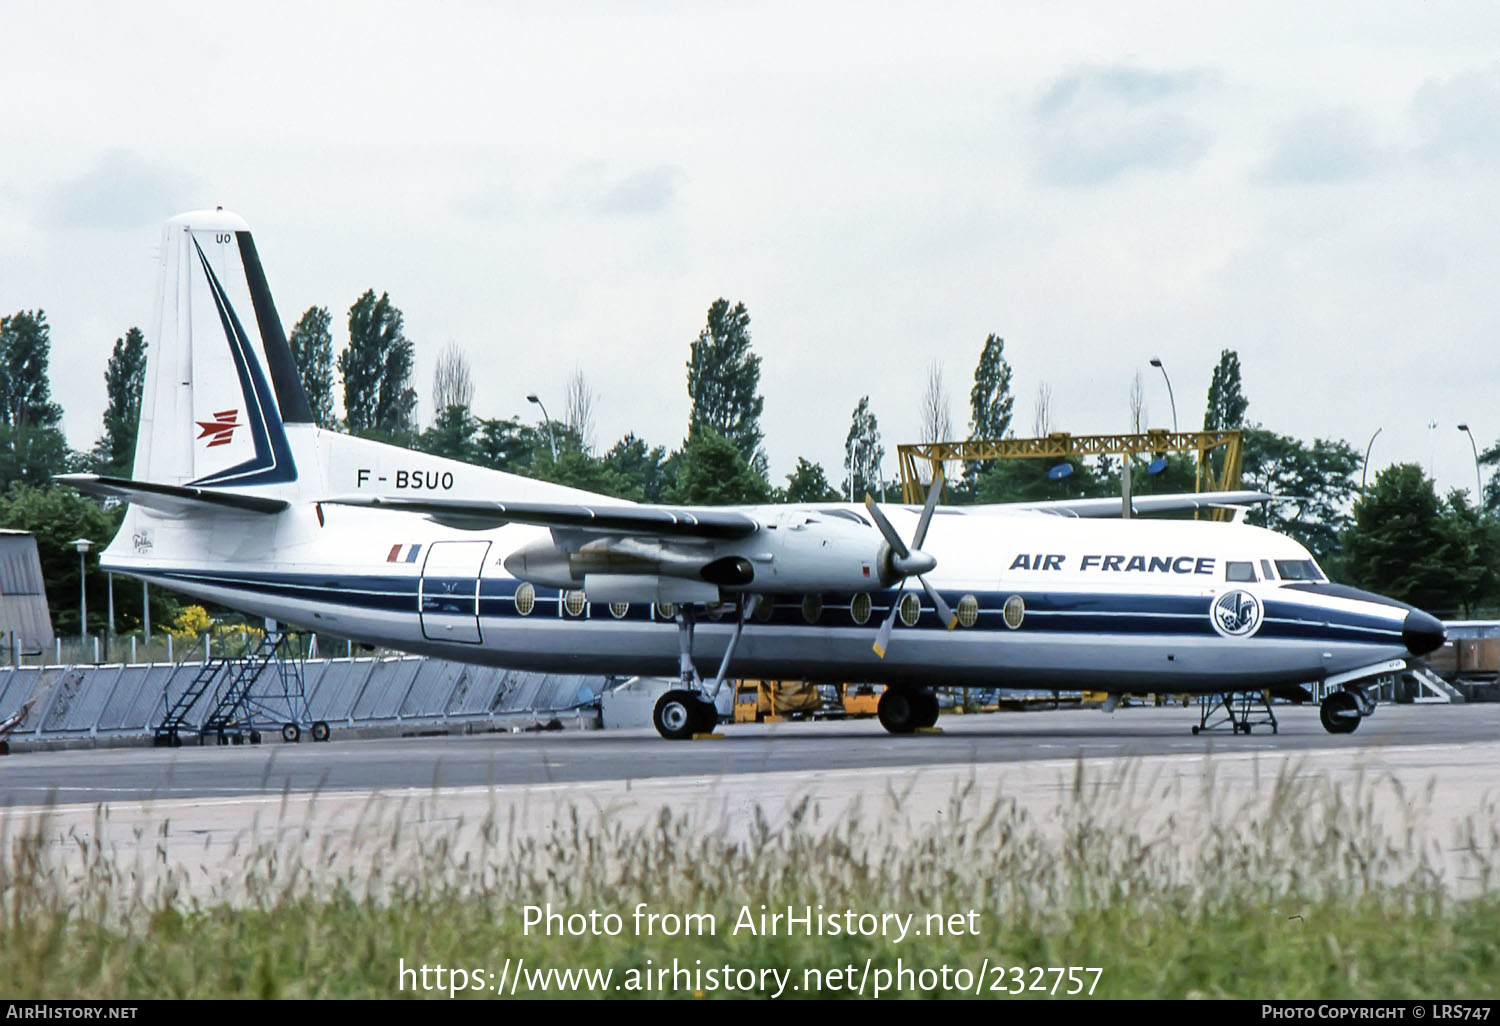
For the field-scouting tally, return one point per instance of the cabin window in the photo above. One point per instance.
(574, 602)
(911, 609)
(812, 607)
(1244, 572)
(666, 610)
(968, 610)
(525, 598)
(859, 609)
(1299, 570)
(765, 609)
(619, 609)
(1014, 612)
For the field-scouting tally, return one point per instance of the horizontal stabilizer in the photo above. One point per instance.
(170, 498)
(481, 514)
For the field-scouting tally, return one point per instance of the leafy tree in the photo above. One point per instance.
(1312, 485)
(1030, 480)
(312, 350)
(809, 483)
(504, 445)
(863, 453)
(724, 382)
(32, 448)
(1399, 544)
(25, 390)
(124, 379)
(452, 434)
(990, 402)
(376, 368)
(641, 467)
(1491, 458)
(711, 471)
(1226, 401)
(56, 516)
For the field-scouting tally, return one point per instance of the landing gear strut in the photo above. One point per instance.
(689, 708)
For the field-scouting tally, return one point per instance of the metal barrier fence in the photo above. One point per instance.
(124, 700)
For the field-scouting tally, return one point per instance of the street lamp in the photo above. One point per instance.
(1366, 467)
(1156, 362)
(1478, 484)
(551, 442)
(82, 545)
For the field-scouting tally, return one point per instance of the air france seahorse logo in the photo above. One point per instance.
(1236, 614)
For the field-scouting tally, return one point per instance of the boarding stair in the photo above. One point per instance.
(174, 722)
(1430, 688)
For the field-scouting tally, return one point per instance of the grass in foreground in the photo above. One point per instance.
(1308, 895)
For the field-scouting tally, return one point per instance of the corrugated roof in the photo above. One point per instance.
(23, 593)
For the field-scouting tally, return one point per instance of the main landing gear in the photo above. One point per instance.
(689, 709)
(906, 710)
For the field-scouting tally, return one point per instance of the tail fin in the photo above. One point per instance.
(209, 417)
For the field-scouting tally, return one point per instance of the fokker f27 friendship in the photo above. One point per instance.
(237, 497)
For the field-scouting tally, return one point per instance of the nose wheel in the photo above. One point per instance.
(1340, 713)
(680, 714)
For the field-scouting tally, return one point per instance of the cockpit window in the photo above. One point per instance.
(1299, 570)
(1239, 571)
(1265, 570)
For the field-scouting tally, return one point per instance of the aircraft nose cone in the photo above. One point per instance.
(1422, 633)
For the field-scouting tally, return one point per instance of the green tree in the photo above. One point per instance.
(711, 471)
(312, 349)
(503, 445)
(809, 483)
(32, 448)
(1312, 486)
(1226, 400)
(724, 382)
(990, 402)
(1491, 458)
(1398, 544)
(58, 515)
(376, 368)
(452, 434)
(863, 453)
(643, 468)
(124, 379)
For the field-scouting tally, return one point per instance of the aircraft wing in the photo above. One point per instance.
(1138, 504)
(604, 518)
(170, 498)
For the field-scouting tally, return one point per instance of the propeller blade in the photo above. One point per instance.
(934, 492)
(892, 538)
(884, 637)
(950, 619)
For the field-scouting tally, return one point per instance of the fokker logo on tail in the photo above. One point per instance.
(220, 429)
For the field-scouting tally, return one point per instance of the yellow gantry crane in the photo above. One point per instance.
(1061, 445)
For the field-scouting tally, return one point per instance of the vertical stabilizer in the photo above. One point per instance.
(210, 414)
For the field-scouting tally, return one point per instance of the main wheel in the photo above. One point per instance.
(320, 730)
(706, 717)
(291, 733)
(255, 737)
(926, 705)
(1339, 713)
(898, 711)
(676, 715)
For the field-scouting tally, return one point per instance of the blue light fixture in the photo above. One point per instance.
(1060, 471)
(1157, 465)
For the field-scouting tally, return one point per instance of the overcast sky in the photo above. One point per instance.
(566, 186)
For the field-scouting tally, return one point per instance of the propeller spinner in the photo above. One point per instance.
(903, 562)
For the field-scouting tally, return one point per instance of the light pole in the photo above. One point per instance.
(1156, 362)
(1366, 467)
(82, 545)
(1478, 484)
(551, 442)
